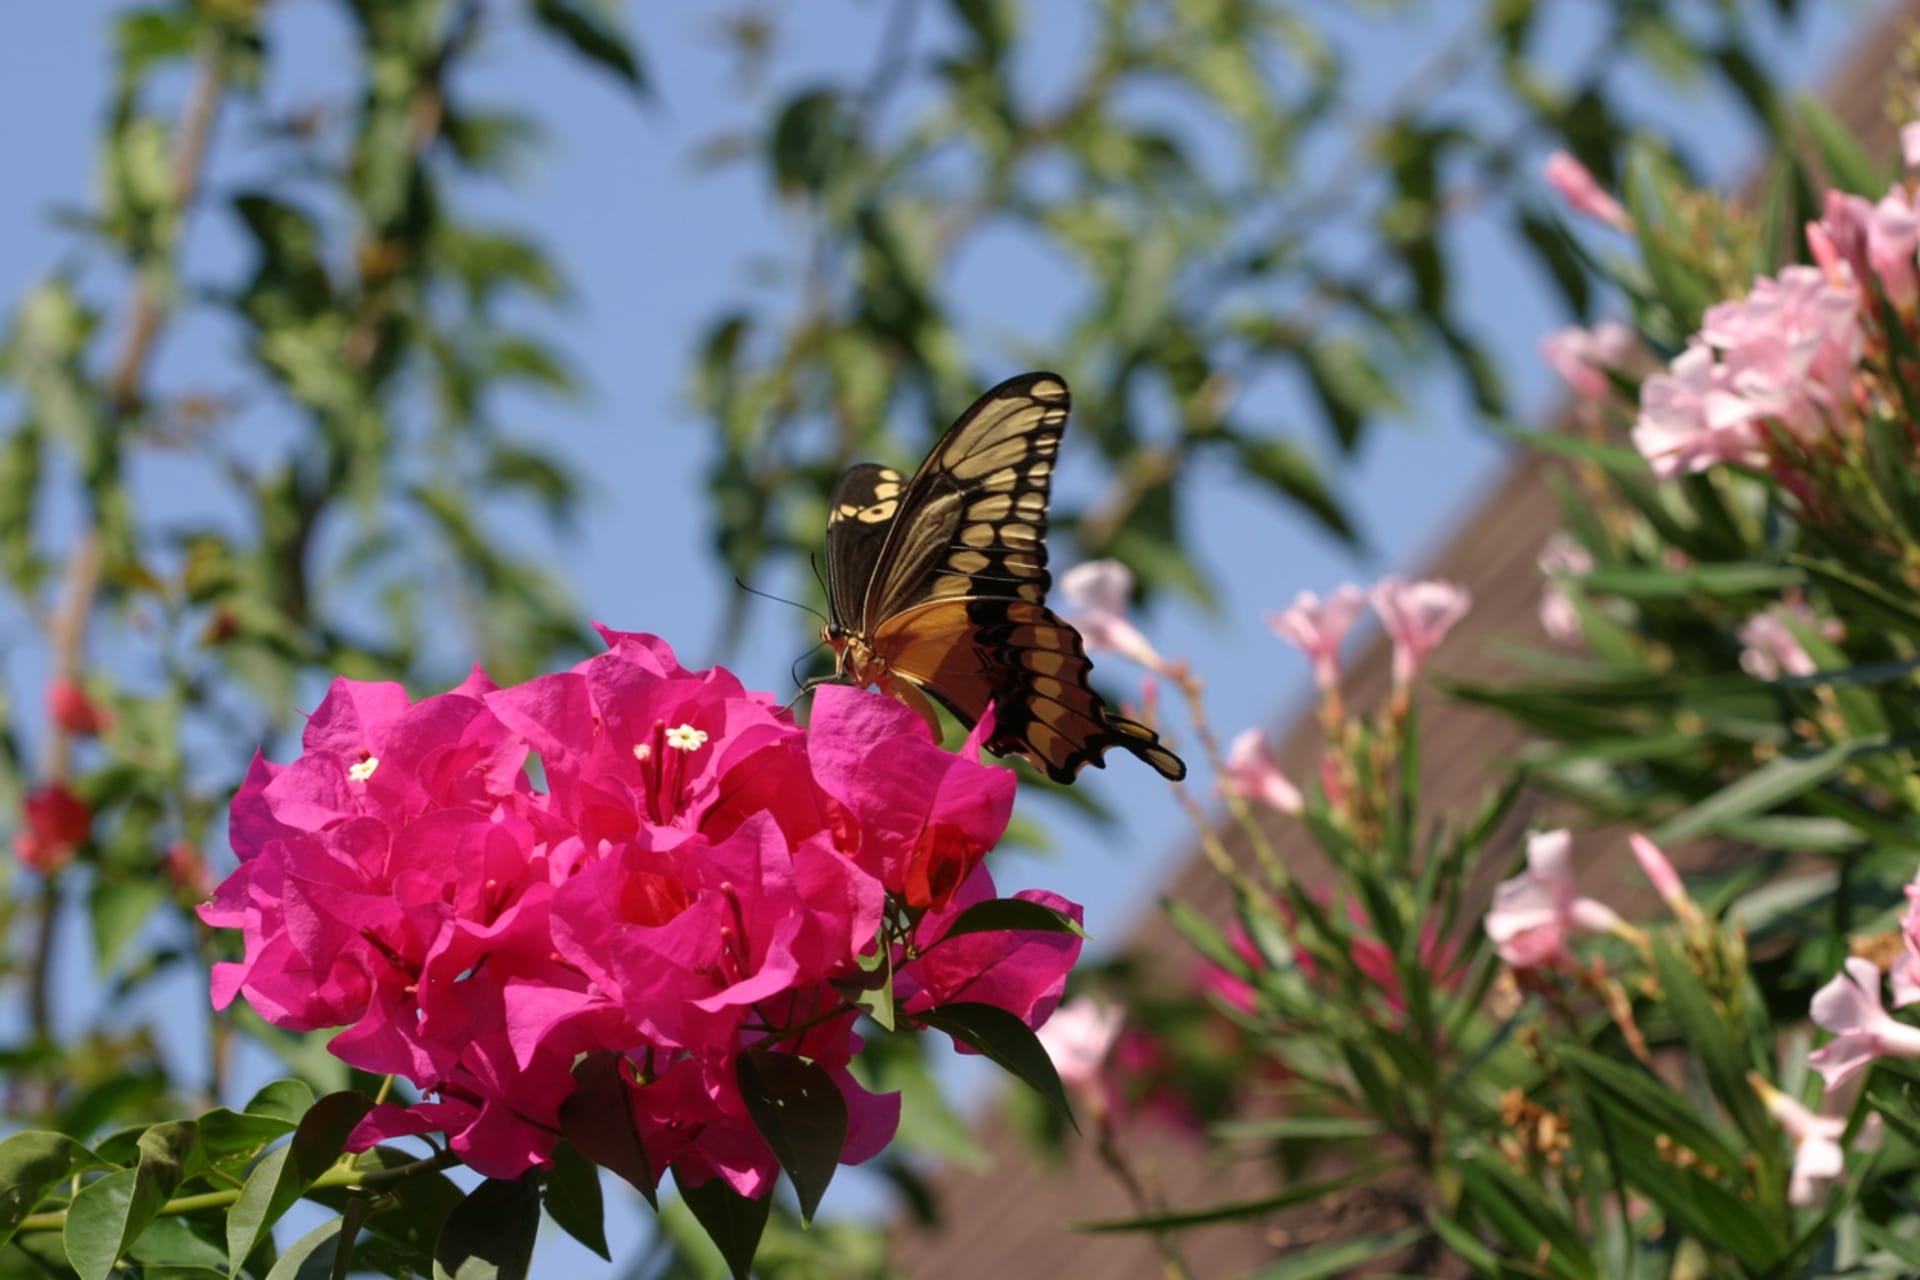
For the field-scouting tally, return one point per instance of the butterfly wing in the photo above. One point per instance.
(863, 509)
(973, 520)
(945, 580)
(1031, 666)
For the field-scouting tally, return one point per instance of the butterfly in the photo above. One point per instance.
(937, 585)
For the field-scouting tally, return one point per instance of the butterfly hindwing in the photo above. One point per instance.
(939, 584)
(1032, 667)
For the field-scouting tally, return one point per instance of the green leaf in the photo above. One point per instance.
(1290, 472)
(1847, 163)
(287, 1100)
(574, 1201)
(108, 1215)
(597, 1118)
(732, 1221)
(118, 907)
(490, 1236)
(283, 1175)
(1721, 1053)
(1007, 1040)
(30, 1163)
(593, 37)
(311, 1256)
(1701, 580)
(1768, 787)
(998, 914)
(801, 1113)
(1563, 263)
(875, 994)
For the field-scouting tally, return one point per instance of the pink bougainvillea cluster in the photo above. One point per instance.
(700, 878)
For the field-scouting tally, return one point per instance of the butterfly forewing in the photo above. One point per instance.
(864, 506)
(975, 514)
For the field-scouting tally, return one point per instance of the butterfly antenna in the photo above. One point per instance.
(813, 562)
(794, 672)
(767, 595)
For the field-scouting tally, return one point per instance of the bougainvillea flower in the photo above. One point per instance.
(69, 707)
(1534, 914)
(1319, 628)
(702, 879)
(1417, 617)
(57, 823)
(1583, 192)
(1849, 1006)
(1097, 593)
(1251, 773)
(1581, 356)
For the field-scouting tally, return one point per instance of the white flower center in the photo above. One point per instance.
(685, 737)
(642, 752)
(364, 770)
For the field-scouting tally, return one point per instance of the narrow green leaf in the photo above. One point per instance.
(1324, 1261)
(801, 1113)
(573, 1199)
(1771, 785)
(1006, 1040)
(1005, 914)
(732, 1221)
(490, 1236)
(1847, 163)
(1721, 1053)
(1299, 1194)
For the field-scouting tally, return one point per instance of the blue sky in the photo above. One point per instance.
(655, 247)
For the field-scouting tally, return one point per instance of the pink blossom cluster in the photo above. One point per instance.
(1786, 353)
(1415, 615)
(700, 877)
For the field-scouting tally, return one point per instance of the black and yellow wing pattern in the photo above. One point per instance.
(937, 583)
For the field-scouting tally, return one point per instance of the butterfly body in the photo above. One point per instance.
(937, 588)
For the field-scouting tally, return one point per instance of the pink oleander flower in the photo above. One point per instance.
(1251, 773)
(1560, 558)
(1789, 348)
(1535, 913)
(57, 823)
(1098, 592)
(1849, 1006)
(1078, 1038)
(1910, 144)
(1579, 356)
(1417, 617)
(1769, 648)
(700, 876)
(1905, 971)
(1818, 1157)
(1690, 421)
(69, 707)
(1582, 191)
(1893, 235)
(1666, 881)
(1319, 628)
(1372, 958)
(1843, 228)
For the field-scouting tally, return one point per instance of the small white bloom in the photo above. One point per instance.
(364, 770)
(642, 753)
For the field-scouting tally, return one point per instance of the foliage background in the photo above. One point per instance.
(652, 248)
